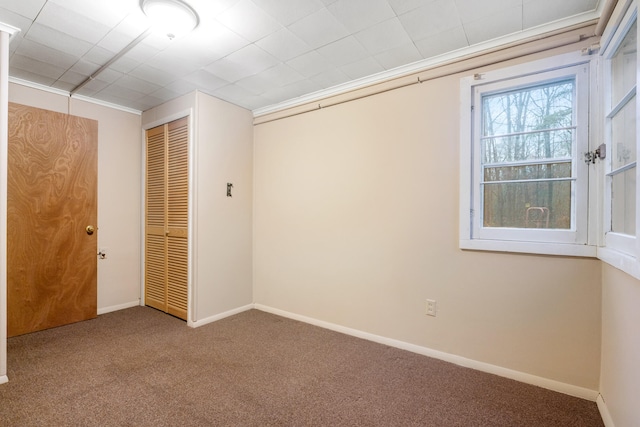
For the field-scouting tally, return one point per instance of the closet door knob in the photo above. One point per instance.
(90, 229)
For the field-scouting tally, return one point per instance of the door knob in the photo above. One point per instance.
(90, 229)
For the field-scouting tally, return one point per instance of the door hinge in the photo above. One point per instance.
(598, 153)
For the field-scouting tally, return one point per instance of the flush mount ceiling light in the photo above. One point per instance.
(171, 17)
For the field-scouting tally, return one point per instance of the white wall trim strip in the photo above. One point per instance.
(4, 379)
(604, 412)
(68, 95)
(211, 319)
(549, 384)
(112, 308)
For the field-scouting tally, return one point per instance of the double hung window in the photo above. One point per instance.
(523, 179)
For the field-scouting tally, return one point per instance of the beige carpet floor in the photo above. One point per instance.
(140, 367)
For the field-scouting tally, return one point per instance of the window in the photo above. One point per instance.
(620, 222)
(524, 184)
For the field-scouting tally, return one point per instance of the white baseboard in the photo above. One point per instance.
(4, 379)
(572, 390)
(211, 319)
(118, 307)
(604, 412)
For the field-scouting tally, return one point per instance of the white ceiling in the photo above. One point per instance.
(258, 53)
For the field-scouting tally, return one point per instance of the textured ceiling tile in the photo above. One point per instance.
(539, 12)
(153, 75)
(435, 17)
(330, 78)
(136, 84)
(249, 21)
(383, 36)
(310, 64)
(283, 45)
(46, 54)
(27, 8)
(108, 13)
(343, 51)
(211, 8)
(212, 35)
(319, 28)
(443, 42)
(498, 24)
(399, 56)
(73, 78)
(15, 20)
(252, 59)
(121, 92)
(281, 75)
(473, 10)
(288, 12)
(74, 24)
(404, 6)
(205, 80)
(57, 40)
(357, 15)
(36, 67)
(29, 76)
(98, 55)
(363, 68)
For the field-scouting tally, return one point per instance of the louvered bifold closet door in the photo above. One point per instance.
(178, 214)
(167, 213)
(156, 219)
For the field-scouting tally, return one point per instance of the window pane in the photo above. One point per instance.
(555, 144)
(623, 202)
(623, 135)
(547, 106)
(528, 205)
(508, 173)
(623, 67)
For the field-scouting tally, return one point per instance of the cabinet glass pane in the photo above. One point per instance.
(623, 202)
(623, 67)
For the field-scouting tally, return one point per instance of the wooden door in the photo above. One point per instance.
(167, 210)
(51, 200)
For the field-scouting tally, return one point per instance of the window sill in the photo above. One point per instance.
(620, 260)
(562, 249)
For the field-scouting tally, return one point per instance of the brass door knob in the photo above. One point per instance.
(90, 229)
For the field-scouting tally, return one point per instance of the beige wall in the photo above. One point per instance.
(356, 224)
(620, 374)
(119, 183)
(224, 228)
(222, 250)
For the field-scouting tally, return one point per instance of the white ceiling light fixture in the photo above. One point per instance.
(174, 18)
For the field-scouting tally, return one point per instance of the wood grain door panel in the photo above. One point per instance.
(52, 186)
(167, 209)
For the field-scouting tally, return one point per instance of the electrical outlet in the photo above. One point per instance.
(431, 308)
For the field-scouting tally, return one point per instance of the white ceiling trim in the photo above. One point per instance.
(584, 18)
(64, 93)
(6, 28)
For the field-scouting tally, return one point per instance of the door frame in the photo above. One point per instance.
(191, 233)
(6, 32)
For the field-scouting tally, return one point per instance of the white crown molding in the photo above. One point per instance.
(6, 28)
(68, 95)
(405, 70)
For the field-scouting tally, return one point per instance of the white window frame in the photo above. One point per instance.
(619, 250)
(574, 242)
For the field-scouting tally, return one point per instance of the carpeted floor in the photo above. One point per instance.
(140, 367)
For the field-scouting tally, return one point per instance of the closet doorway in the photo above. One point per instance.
(166, 218)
